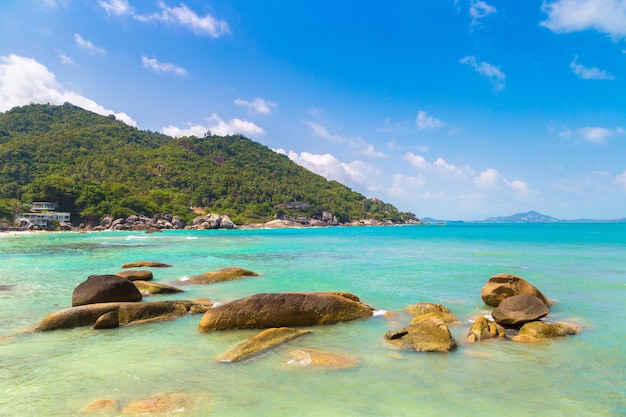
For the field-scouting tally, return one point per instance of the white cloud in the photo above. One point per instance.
(24, 81)
(622, 179)
(116, 7)
(65, 59)
(440, 167)
(595, 135)
(426, 121)
(589, 73)
(356, 144)
(606, 16)
(405, 185)
(159, 67)
(184, 16)
(256, 106)
(217, 126)
(87, 45)
(328, 166)
(491, 72)
(322, 132)
(480, 9)
(491, 179)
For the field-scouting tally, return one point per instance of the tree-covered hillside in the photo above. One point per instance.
(92, 166)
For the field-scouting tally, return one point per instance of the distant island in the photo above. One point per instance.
(526, 217)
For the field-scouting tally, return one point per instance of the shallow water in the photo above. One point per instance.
(580, 265)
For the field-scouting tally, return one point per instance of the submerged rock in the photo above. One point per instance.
(321, 359)
(432, 310)
(519, 309)
(147, 264)
(104, 289)
(221, 275)
(537, 331)
(161, 404)
(136, 275)
(262, 342)
(102, 406)
(501, 286)
(266, 310)
(431, 334)
(484, 328)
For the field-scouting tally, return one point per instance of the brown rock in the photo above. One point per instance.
(104, 289)
(108, 320)
(501, 286)
(537, 331)
(428, 335)
(148, 264)
(484, 329)
(267, 310)
(262, 342)
(136, 275)
(153, 288)
(430, 310)
(519, 309)
(221, 275)
(160, 404)
(321, 359)
(101, 406)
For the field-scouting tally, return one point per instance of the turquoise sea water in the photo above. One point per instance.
(582, 266)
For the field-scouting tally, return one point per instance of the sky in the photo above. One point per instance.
(449, 109)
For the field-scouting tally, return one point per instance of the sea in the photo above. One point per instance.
(581, 266)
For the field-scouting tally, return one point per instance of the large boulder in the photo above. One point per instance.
(501, 286)
(519, 309)
(483, 328)
(430, 334)
(261, 311)
(540, 330)
(136, 275)
(262, 342)
(104, 289)
(220, 275)
(127, 313)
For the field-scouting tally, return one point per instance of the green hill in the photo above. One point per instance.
(92, 166)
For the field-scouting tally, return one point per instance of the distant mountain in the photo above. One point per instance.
(527, 217)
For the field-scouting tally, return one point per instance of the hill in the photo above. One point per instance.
(527, 217)
(92, 166)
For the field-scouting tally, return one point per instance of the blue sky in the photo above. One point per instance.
(450, 109)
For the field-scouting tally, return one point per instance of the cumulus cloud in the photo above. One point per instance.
(426, 121)
(331, 168)
(217, 126)
(358, 145)
(480, 9)
(440, 167)
(589, 73)
(154, 65)
(24, 81)
(87, 45)
(491, 179)
(256, 106)
(491, 72)
(605, 16)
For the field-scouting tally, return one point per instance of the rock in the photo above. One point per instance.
(501, 286)
(200, 306)
(149, 264)
(154, 288)
(262, 342)
(428, 335)
(101, 406)
(226, 223)
(136, 275)
(106, 222)
(7, 287)
(484, 328)
(108, 320)
(266, 310)
(421, 309)
(321, 359)
(536, 331)
(104, 289)
(519, 309)
(127, 312)
(221, 275)
(161, 404)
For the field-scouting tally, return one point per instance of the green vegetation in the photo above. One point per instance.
(92, 166)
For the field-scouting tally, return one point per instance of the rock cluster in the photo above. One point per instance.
(135, 222)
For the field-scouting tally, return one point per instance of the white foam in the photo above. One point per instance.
(185, 278)
(379, 313)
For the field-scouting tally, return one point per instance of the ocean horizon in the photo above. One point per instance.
(578, 265)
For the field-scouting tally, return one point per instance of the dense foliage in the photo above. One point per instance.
(92, 165)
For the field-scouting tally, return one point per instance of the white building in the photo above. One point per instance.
(41, 212)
